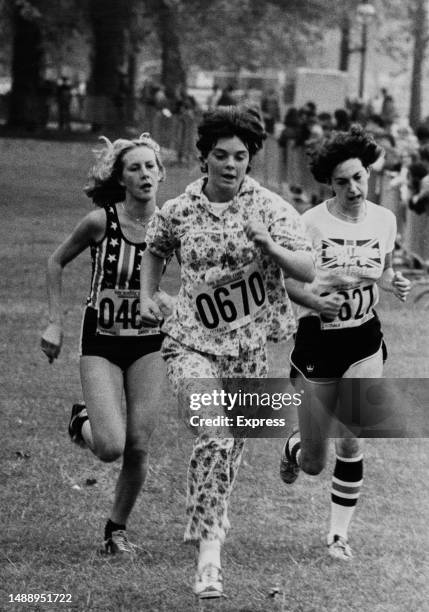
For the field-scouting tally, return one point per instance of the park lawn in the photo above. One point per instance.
(52, 520)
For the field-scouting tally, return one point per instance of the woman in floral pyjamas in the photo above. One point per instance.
(235, 239)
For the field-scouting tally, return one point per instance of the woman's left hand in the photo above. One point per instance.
(51, 341)
(401, 286)
(258, 233)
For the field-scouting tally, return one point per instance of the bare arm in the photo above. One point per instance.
(298, 264)
(150, 277)
(393, 281)
(90, 230)
(328, 305)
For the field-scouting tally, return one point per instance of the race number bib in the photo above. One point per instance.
(119, 314)
(356, 309)
(230, 301)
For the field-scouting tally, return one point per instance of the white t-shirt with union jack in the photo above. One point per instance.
(350, 260)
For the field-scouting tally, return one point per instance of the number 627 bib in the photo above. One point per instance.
(356, 309)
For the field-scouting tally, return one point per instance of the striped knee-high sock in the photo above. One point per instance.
(346, 484)
(294, 448)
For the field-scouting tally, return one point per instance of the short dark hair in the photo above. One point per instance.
(227, 121)
(341, 146)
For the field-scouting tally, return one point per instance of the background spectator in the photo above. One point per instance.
(227, 98)
(64, 98)
(270, 107)
(213, 98)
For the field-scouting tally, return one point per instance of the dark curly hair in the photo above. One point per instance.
(227, 121)
(341, 146)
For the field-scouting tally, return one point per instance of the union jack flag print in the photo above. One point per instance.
(340, 253)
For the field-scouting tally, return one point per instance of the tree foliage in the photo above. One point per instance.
(248, 33)
(406, 40)
(213, 34)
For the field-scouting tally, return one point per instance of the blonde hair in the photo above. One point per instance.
(103, 185)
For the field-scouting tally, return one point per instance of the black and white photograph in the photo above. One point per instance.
(214, 383)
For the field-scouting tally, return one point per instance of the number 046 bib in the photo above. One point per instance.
(230, 301)
(119, 314)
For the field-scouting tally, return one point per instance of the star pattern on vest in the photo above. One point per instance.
(113, 272)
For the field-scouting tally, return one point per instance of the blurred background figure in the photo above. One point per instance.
(288, 134)
(120, 99)
(80, 92)
(341, 120)
(270, 107)
(388, 110)
(213, 98)
(185, 110)
(64, 98)
(227, 97)
(326, 123)
(422, 133)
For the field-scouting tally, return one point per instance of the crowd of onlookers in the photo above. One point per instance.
(406, 159)
(297, 130)
(403, 172)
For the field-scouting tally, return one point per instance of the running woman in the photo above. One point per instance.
(235, 239)
(117, 355)
(339, 333)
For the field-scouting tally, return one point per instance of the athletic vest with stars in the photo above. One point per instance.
(115, 260)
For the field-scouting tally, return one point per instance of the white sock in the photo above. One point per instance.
(86, 433)
(209, 552)
(294, 446)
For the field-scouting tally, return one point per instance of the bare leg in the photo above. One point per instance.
(102, 385)
(144, 387)
(315, 417)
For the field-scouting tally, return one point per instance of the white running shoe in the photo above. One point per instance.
(338, 548)
(118, 543)
(289, 469)
(208, 582)
(77, 418)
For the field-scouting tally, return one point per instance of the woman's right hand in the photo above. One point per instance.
(51, 341)
(329, 305)
(150, 313)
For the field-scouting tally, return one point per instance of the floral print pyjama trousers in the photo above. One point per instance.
(215, 459)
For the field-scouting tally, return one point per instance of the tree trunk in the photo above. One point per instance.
(108, 83)
(132, 79)
(344, 43)
(25, 106)
(420, 42)
(173, 73)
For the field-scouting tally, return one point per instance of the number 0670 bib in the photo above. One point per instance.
(232, 301)
(119, 314)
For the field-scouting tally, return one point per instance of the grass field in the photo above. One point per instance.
(52, 520)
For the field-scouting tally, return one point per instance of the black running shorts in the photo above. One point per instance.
(327, 354)
(123, 351)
